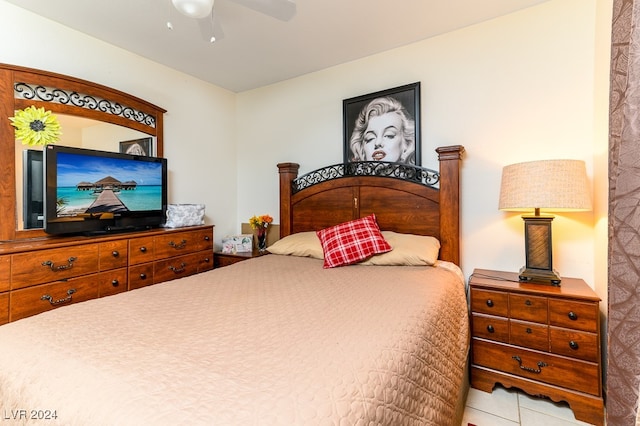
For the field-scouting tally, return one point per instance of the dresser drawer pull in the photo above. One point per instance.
(182, 244)
(55, 268)
(529, 369)
(207, 238)
(490, 303)
(490, 329)
(207, 260)
(574, 345)
(59, 301)
(528, 330)
(143, 249)
(143, 276)
(115, 283)
(115, 253)
(572, 316)
(178, 270)
(528, 302)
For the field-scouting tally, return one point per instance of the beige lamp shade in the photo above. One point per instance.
(554, 185)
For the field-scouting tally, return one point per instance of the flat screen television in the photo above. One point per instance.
(96, 192)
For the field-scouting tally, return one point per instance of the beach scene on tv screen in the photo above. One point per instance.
(93, 185)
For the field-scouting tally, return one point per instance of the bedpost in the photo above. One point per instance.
(450, 158)
(288, 172)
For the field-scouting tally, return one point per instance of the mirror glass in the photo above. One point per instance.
(78, 132)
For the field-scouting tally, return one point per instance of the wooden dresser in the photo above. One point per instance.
(40, 275)
(539, 338)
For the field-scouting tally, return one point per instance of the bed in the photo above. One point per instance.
(280, 339)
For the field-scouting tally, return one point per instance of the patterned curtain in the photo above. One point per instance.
(623, 372)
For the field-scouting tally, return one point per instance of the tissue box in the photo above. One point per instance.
(242, 243)
(179, 215)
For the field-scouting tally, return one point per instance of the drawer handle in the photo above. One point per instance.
(55, 268)
(182, 244)
(178, 270)
(115, 253)
(528, 330)
(143, 276)
(207, 260)
(528, 302)
(207, 238)
(490, 303)
(59, 301)
(115, 283)
(490, 329)
(574, 345)
(143, 249)
(572, 316)
(529, 369)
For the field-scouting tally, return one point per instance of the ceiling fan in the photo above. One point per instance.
(210, 27)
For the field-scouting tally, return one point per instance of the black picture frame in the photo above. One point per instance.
(143, 146)
(408, 96)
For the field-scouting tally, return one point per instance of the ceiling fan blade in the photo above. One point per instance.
(210, 28)
(283, 10)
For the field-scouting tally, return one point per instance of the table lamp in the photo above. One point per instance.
(552, 185)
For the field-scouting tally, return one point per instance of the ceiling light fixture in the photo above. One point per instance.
(194, 8)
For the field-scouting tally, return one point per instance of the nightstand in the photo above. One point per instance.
(221, 259)
(542, 339)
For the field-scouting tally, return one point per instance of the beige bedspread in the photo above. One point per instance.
(276, 340)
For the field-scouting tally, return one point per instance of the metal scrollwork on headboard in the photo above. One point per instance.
(50, 94)
(405, 172)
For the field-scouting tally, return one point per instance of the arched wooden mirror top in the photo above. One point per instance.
(22, 87)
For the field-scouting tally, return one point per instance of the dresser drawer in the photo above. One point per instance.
(578, 344)
(4, 308)
(52, 265)
(41, 298)
(112, 282)
(140, 275)
(548, 368)
(528, 308)
(490, 327)
(113, 255)
(175, 244)
(529, 334)
(571, 314)
(490, 302)
(5, 273)
(176, 267)
(141, 250)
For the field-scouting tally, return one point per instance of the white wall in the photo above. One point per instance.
(518, 88)
(199, 123)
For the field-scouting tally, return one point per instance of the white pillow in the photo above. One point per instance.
(304, 244)
(408, 249)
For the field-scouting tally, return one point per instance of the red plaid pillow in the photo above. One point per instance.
(352, 241)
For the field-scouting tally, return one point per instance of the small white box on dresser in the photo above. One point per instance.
(242, 243)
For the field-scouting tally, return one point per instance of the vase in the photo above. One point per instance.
(262, 240)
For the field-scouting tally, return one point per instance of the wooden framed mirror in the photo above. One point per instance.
(68, 97)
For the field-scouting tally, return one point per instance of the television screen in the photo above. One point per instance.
(98, 191)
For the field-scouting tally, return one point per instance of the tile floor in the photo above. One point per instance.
(510, 407)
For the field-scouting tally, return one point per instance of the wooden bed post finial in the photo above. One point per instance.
(450, 158)
(288, 172)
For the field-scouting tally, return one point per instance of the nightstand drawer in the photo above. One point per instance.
(556, 370)
(572, 314)
(490, 302)
(528, 308)
(529, 334)
(490, 327)
(578, 344)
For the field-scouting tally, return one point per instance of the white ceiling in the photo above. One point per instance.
(258, 50)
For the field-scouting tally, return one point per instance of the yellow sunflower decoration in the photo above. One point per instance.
(35, 126)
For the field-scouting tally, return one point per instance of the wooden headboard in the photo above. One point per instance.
(404, 198)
